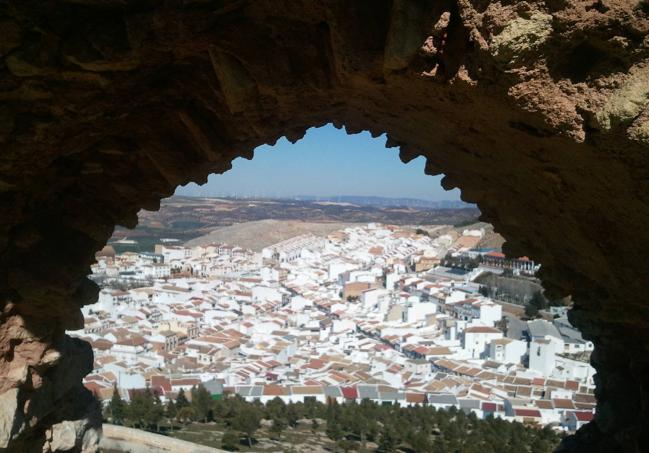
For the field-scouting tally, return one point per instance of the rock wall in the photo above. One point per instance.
(536, 110)
(120, 438)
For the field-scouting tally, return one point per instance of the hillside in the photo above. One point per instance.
(261, 233)
(187, 218)
(491, 239)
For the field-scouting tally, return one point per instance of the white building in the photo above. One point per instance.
(484, 310)
(507, 350)
(543, 356)
(476, 339)
(291, 249)
(156, 270)
(371, 298)
(417, 311)
(173, 252)
(567, 368)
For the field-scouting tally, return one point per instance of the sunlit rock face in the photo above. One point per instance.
(537, 110)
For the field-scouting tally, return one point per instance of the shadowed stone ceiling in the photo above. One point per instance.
(538, 111)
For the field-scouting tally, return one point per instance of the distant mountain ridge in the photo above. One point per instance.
(185, 218)
(359, 200)
(388, 201)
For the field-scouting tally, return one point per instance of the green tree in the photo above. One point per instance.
(140, 407)
(117, 408)
(171, 411)
(531, 311)
(420, 442)
(156, 412)
(439, 445)
(312, 408)
(181, 400)
(275, 408)
(356, 422)
(334, 431)
(346, 445)
(293, 414)
(247, 422)
(186, 414)
(201, 402)
(230, 441)
(278, 427)
(539, 300)
(389, 441)
(541, 446)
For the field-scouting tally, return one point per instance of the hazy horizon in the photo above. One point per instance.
(303, 197)
(326, 163)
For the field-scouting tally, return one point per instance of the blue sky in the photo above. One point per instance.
(327, 161)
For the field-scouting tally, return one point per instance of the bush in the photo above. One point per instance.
(230, 441)
(531, 311)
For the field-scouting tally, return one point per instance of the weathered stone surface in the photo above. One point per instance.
(521, 37)
(80, 428)
(40, 376)
(121, 438)
(8, 414)
(627, 101)
(64, 436)
(537, 110)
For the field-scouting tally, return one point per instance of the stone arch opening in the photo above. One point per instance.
(256, 195)
(109, 105)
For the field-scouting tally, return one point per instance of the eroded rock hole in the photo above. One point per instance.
(335, 242)
(589, 60)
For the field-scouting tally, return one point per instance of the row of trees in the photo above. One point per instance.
(350, 426)
(146, 411)
(425, 429)
(460, 262)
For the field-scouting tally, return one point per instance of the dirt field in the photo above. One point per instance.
(298, 440)
(261, 233)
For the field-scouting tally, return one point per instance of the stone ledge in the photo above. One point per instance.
(120, 438)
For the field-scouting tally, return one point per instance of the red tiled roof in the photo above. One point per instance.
(572, 385)
(584, 398)
(417, 398)
(349, 393)
(562, 403)
(162, 382)
(276, 390)
(482, 329)
(186, 381)
(316, 364)
(527, 413)
(489, 407)
(544, 404)
(583, 416)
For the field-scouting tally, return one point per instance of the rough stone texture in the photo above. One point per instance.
(40, 384)
(537, 110)
(121, 438)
